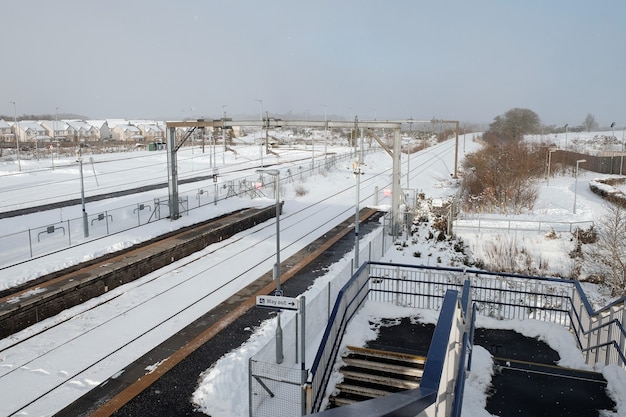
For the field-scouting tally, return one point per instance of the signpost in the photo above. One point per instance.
(287, 303)
(273, 301)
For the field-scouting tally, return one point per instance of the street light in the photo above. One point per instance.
(223, 134)
(279, 331)
(356, 170)
(79, 159)
(325, 138)
(408, 151)
(613, 129)
(549, 165)
(260, 108)
(56, 138)
(17, 135)
(576, 182)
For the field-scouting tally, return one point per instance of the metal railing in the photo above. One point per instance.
(483, 223)
(600, 334)
(439, 390)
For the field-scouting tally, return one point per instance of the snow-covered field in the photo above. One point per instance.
(431, 176)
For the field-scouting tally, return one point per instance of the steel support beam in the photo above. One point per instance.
(267, 123)
(172, 172)
(396, 189)
(276, 123)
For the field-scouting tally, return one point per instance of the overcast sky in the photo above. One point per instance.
(458, 60)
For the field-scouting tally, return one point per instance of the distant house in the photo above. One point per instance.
(103, 128)
(56, 129)
(81, 131)
(6, 132)
(126, 133)
(151, 132)
(31, 131)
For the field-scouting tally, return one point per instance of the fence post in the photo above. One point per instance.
(30, 243)
(250, 387)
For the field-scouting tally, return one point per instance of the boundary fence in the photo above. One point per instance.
(55, 236)
(482, 223)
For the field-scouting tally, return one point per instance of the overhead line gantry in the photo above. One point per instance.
(273, 123)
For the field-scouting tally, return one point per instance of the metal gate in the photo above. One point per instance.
(276, 390)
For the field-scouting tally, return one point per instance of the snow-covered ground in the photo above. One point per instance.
(221, 385)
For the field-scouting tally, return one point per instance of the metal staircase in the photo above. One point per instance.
(371, 373)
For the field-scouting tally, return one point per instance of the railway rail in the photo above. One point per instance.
(212, 275)
(23, 306)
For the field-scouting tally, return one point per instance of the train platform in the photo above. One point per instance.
(166, 390)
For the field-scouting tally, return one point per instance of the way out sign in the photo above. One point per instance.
(273, 301)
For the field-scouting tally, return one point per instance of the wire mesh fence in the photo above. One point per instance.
(43, 239)
(276, 390)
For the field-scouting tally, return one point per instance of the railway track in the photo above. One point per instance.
(21, 307)
(210, 275)
(141, 303)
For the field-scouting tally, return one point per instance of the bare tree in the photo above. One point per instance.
(609, 251)
(590, 122)
(501, 177)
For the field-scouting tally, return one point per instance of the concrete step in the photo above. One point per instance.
(361, 391)
(402, 384)
(384, 367)
(371, 373)
(387, 355)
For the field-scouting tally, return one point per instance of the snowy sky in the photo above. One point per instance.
(468, 61)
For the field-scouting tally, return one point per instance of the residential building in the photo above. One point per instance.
(6, 132)
(31, 131)
(126, 133)
(56, 129)
(152, 132)
(82, 131)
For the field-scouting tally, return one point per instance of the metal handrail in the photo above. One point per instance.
(565, 306)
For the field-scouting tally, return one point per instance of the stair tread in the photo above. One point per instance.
(361, 390)
(385, 367)
(399, 356)
(382, 380)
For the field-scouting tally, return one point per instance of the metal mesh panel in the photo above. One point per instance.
(276, 390)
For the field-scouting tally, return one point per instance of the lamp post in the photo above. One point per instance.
(613, 129)
(408, 152)
(56, 138)
(223, 134)
(549, 165)
(356, 170)
(279, 331)
(325, 138)
(79, 159)
(576, 182)
(17, 135)
(613, 137)
(260, 108)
